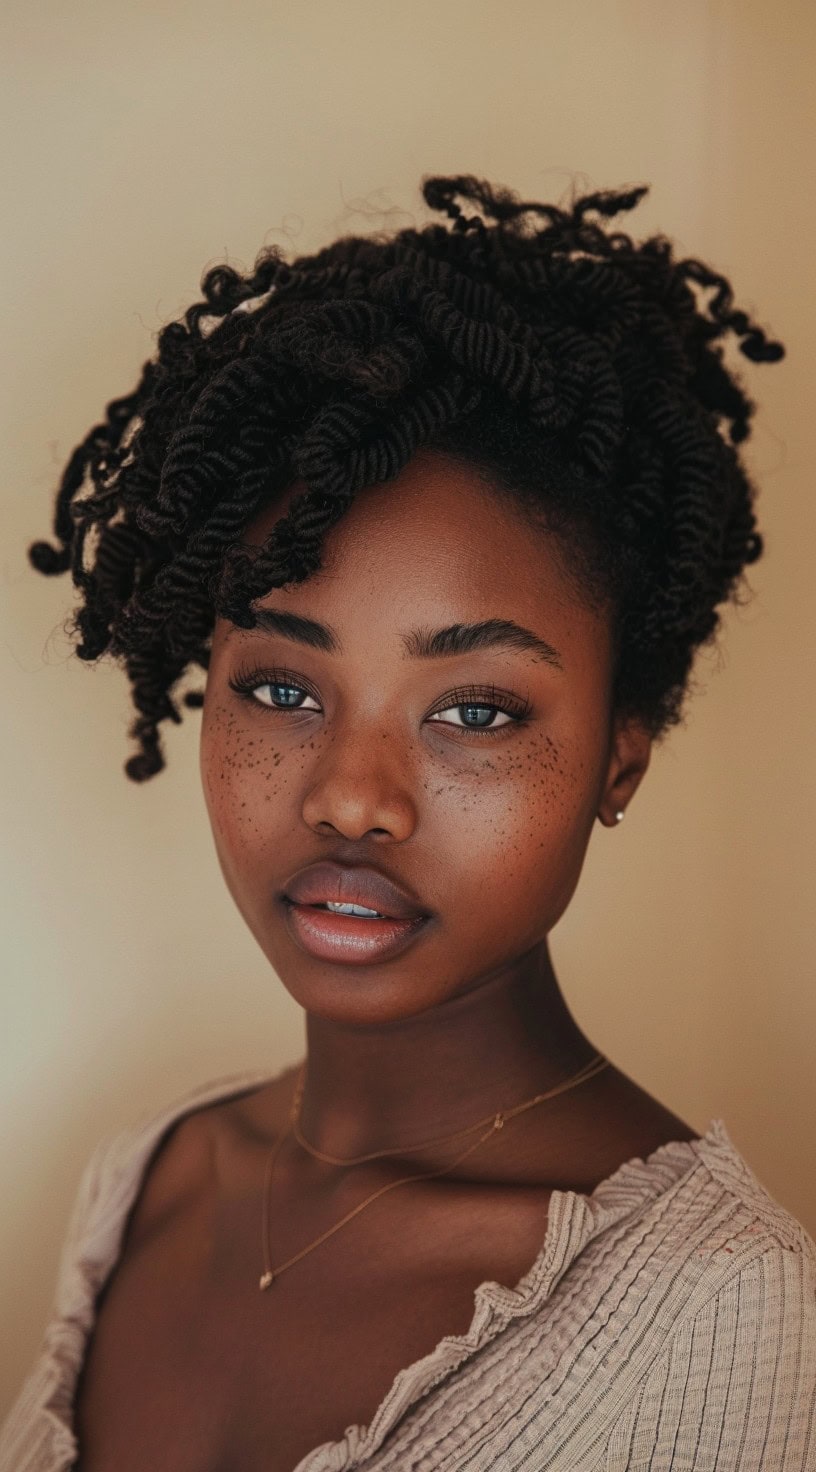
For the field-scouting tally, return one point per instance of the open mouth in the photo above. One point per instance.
(350, 934)
(333, 913)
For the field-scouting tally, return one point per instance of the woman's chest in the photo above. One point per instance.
(193, 1372)
(207, 1392)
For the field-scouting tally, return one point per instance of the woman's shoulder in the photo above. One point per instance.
(759, 1219)
(188, 1141)
(707, 1203)
(688, 1231)
(680, 1174)
(704, 1288)
(150, 1164)
(736, 1364)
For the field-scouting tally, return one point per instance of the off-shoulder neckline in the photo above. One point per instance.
(573, 1220)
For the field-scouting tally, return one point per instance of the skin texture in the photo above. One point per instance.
(489, 832)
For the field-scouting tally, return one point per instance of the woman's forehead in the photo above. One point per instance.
(436, 504)
(436, 543)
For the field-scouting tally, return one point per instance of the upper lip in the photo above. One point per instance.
(327, 882)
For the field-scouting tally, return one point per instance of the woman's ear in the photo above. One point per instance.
(629, 754)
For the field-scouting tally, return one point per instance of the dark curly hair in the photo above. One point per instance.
(583, 371)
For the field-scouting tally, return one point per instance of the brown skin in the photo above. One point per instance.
(190, 1367)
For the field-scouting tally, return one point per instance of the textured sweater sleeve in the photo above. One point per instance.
(735, 1390)
(26, 1437)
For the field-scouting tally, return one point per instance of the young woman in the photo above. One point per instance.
(445, 516)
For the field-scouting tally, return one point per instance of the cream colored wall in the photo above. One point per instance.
(143, 141)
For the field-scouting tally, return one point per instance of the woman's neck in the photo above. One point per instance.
(397, 1084)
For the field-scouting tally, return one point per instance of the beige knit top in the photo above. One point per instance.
(668, 1322)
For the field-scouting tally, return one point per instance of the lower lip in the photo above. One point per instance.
(349, 938)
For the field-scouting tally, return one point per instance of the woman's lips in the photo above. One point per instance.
(356, 940)
(329, 882)
(350, 939)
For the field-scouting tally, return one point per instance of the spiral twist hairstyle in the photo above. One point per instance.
(585, 371)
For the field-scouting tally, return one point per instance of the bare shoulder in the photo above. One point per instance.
(201, 1147)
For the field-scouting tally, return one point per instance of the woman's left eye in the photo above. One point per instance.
(480, 714)
(472, 717)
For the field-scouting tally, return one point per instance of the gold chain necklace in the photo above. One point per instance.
(494, 1121)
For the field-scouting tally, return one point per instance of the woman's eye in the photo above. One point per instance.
(473, 717)
(276, 694)
(284, 697)
(483, 710)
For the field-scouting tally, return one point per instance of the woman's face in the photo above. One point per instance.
(430, 709)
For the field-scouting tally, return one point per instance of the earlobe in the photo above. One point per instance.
(628, 762)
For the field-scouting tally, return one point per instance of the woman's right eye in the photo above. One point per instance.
(284, 697)
(275, 694)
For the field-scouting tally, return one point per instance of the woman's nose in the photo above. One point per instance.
(361, 787)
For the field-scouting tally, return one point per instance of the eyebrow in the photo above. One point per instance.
(491, 633)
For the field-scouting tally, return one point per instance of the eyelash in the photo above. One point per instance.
(246, 682)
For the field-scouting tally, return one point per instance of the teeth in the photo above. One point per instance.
(339, 909)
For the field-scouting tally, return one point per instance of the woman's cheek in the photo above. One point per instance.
(551, 844)
(519, 832)
(237, 771)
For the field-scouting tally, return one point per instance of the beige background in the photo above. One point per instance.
(145, 141)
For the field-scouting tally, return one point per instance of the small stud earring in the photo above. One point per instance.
(619, 817)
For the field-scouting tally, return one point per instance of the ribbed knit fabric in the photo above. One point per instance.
(668, 1322)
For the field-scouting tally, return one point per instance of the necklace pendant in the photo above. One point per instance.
(498, 1123)
(267, 1279)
